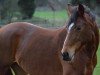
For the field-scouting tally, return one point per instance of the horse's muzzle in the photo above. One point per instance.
(66, 56)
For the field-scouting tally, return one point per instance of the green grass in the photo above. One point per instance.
(97, 69)
(50, 14)
(57, 18)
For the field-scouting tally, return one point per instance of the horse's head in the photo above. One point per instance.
(79, 31)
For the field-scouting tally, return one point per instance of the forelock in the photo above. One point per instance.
(73, 18)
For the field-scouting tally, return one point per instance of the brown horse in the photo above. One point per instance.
(70, 50)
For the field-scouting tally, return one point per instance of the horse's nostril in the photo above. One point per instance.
(66, 56)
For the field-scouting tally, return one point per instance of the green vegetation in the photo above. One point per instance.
(50, 14)
(97, 69)
(53, 18)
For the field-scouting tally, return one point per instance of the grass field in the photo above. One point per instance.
(50, 14)
(97, 69)
(57, 18)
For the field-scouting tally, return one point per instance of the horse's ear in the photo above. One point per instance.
(69, 9)
(81, 10)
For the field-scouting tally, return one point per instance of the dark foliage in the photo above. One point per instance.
(27, 8)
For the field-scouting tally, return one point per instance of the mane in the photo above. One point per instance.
(90, 13)
(75, 15)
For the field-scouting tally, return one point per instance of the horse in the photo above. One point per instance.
(32, 50)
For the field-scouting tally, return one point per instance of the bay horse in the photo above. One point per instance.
(33, 50)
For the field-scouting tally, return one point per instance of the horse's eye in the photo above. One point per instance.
(78, 28)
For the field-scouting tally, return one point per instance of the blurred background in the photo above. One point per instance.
(45, 13)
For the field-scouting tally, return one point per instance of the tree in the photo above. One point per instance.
(90, 3)
(93, 4)
(27, 8)
(6, 10)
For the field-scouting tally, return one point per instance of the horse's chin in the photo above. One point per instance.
(70, 62)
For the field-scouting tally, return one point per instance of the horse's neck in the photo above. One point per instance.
(62, 32)
(80, 61)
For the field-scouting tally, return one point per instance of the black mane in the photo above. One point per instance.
(91, 14)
